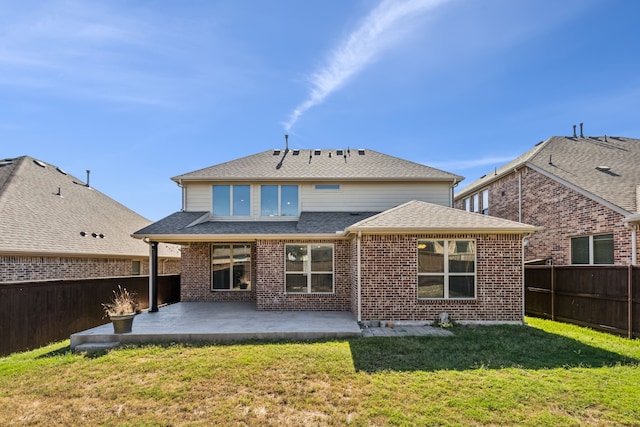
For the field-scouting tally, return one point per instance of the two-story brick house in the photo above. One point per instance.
(584, 191)
(345, 230)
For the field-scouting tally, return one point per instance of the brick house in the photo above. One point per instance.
(54, 226)
(342, 230)
(583, 191)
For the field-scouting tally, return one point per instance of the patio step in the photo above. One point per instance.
(95, 347)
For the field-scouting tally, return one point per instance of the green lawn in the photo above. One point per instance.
(543, 374)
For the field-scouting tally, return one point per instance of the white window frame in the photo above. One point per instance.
(467, 204)
(476, 203)
(307, 269)
(591, 248)
(485, 202)
(446, 274)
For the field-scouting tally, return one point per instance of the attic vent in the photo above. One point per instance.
(5, 163)
(296, 152)
(39, 163)
(339, 152)
(61, 171)
(317, 152)
(603, 168)
(361, 152)
(539, 143)
(276, 152)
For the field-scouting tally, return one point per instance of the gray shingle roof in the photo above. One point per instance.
(309, 223)
(414, 216)
(300, 165)
(37, 219)
(418, 216)
(576, 161)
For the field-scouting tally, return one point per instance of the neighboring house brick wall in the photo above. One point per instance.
(270, 279)
(389, 280)
(561, 211)
(29, 268)
(195, 279)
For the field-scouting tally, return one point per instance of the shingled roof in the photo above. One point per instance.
(602, 167)
(46, 211)
(326, 164)
(417, 216)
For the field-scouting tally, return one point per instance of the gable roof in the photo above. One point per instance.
(604, 168)
(325, 164)
(44, 210)
(418, 216)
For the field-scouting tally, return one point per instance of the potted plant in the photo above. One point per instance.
(121, 310)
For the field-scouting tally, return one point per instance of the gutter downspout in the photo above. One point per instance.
(524, 308)
(184, 197)
(454, 185)
(359, 274)
(519, 195)
(634, 245)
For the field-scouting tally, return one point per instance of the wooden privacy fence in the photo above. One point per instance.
(606, 298)
(33, 314)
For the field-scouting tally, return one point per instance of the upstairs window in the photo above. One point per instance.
(485, 202)
(467, 204)
(597, 249)
(231, 200)
(278, 200)
(476, 203)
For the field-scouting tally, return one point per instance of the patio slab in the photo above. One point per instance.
(220, 321)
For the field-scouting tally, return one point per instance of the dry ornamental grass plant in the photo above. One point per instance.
(123, 302)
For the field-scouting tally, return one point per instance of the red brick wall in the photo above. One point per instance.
(389, 280)
(563, 212)
(29, 268)
(270, 279)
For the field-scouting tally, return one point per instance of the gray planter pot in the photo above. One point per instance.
(122, 324)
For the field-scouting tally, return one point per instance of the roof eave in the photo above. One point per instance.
(210, 238)
(472, 188)
(442, 230)
(182, 180)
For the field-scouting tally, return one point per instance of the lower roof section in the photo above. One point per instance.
(414, 217)
(197, 226)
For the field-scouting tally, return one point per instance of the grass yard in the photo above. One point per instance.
(547, 374)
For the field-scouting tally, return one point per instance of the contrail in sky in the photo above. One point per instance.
(377, 31)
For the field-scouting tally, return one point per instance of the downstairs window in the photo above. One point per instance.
(309, 268)
(446, 269)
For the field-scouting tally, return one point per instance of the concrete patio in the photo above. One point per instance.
(219, 321)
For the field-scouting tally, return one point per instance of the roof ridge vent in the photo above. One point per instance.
(361, 151)
(603, 168)
(39, 163)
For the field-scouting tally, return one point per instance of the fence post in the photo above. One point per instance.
(630, 302)
(553, 292)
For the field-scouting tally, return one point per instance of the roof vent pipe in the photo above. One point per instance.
(581, 135)
(574, 131)
(88, 173)
(286, 142)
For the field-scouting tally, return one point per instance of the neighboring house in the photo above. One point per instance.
(346, 230)
(53, 226)
(584, 191)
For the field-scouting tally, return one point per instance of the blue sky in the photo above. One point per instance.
(140, 91)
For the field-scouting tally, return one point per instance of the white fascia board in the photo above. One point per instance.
(204, 238)
(401, 230)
